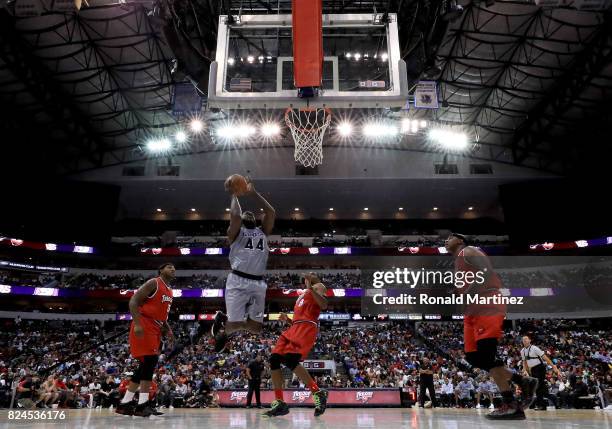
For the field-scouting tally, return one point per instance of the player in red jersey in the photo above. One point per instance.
(295, 343)
(482, 327)
(149, 306)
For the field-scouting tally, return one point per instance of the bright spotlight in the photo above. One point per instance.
(357, 56)
(250, 58)
(159, 145)
(449, 139)
(231, 61)
(384, 56)
(235, 131)
(379, 130)
(270, 129)
(348, 55)
(345, 129)
(414, 126)
(196, 125)
(225, 132)
(180, 136)
(423, 124)
(405, 126)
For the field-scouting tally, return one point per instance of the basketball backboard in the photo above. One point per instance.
(362, 67)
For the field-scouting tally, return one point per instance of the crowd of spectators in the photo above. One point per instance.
(197, 281)
(547, 277)
(369, 355)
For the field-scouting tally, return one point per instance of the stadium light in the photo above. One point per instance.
(384, 57)
(180, 136)
(235, 131)
(250, 58)
(231, 61)
(379, 130)
(435, 209)
(423, 124)
(449, 139)
(348, 55)
(297, 209)
(331, 209)
(401, 209)
(193, 210)
(357, 56)
(365, 209)
(270, 129)
(159, 145)
(470, 208)
(345, 129)
(158, 210)
(196, 125)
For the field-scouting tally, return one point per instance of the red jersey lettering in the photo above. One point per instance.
(157, 306)
(306, 308)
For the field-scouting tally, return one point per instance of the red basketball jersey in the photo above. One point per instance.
(493, 283)
(158, 305)
(489, 288)
(306, 308)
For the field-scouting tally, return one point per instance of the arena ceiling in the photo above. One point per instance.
(527, 82)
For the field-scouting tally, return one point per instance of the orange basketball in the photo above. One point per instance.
(236, 184)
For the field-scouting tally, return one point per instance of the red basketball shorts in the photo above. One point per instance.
(299, 338)
(149, 343)
(480, 327)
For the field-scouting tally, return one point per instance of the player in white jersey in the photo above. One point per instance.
(245, 289)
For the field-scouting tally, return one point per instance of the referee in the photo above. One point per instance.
(426, 383)
(534, 364)
(253, 373)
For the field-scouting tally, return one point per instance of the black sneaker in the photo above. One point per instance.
(143, 410)
(511, 411)
(126, 409)
(529, 385)
(320, 400)
(279, 408)
(218, 323)
(154, 412)
(221, 341)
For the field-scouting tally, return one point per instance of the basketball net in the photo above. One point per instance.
(308, 126)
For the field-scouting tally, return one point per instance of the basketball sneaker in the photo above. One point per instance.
(126, 409)
(278, 408)
(320, 401)
(507, 411)
(144, 410)
(529, 385)
(218, 323)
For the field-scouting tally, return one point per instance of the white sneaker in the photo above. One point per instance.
(171, 407)
(609, 407)
(111, 407)
(478, 406)
(491, 407)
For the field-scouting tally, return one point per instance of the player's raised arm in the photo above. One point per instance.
(138, 299)
(235, 219)
(267, 224)
(318, 289)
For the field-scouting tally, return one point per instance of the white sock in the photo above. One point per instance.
(128, 397)
(142, 398)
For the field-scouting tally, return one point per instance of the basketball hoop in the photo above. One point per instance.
(308, 126)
